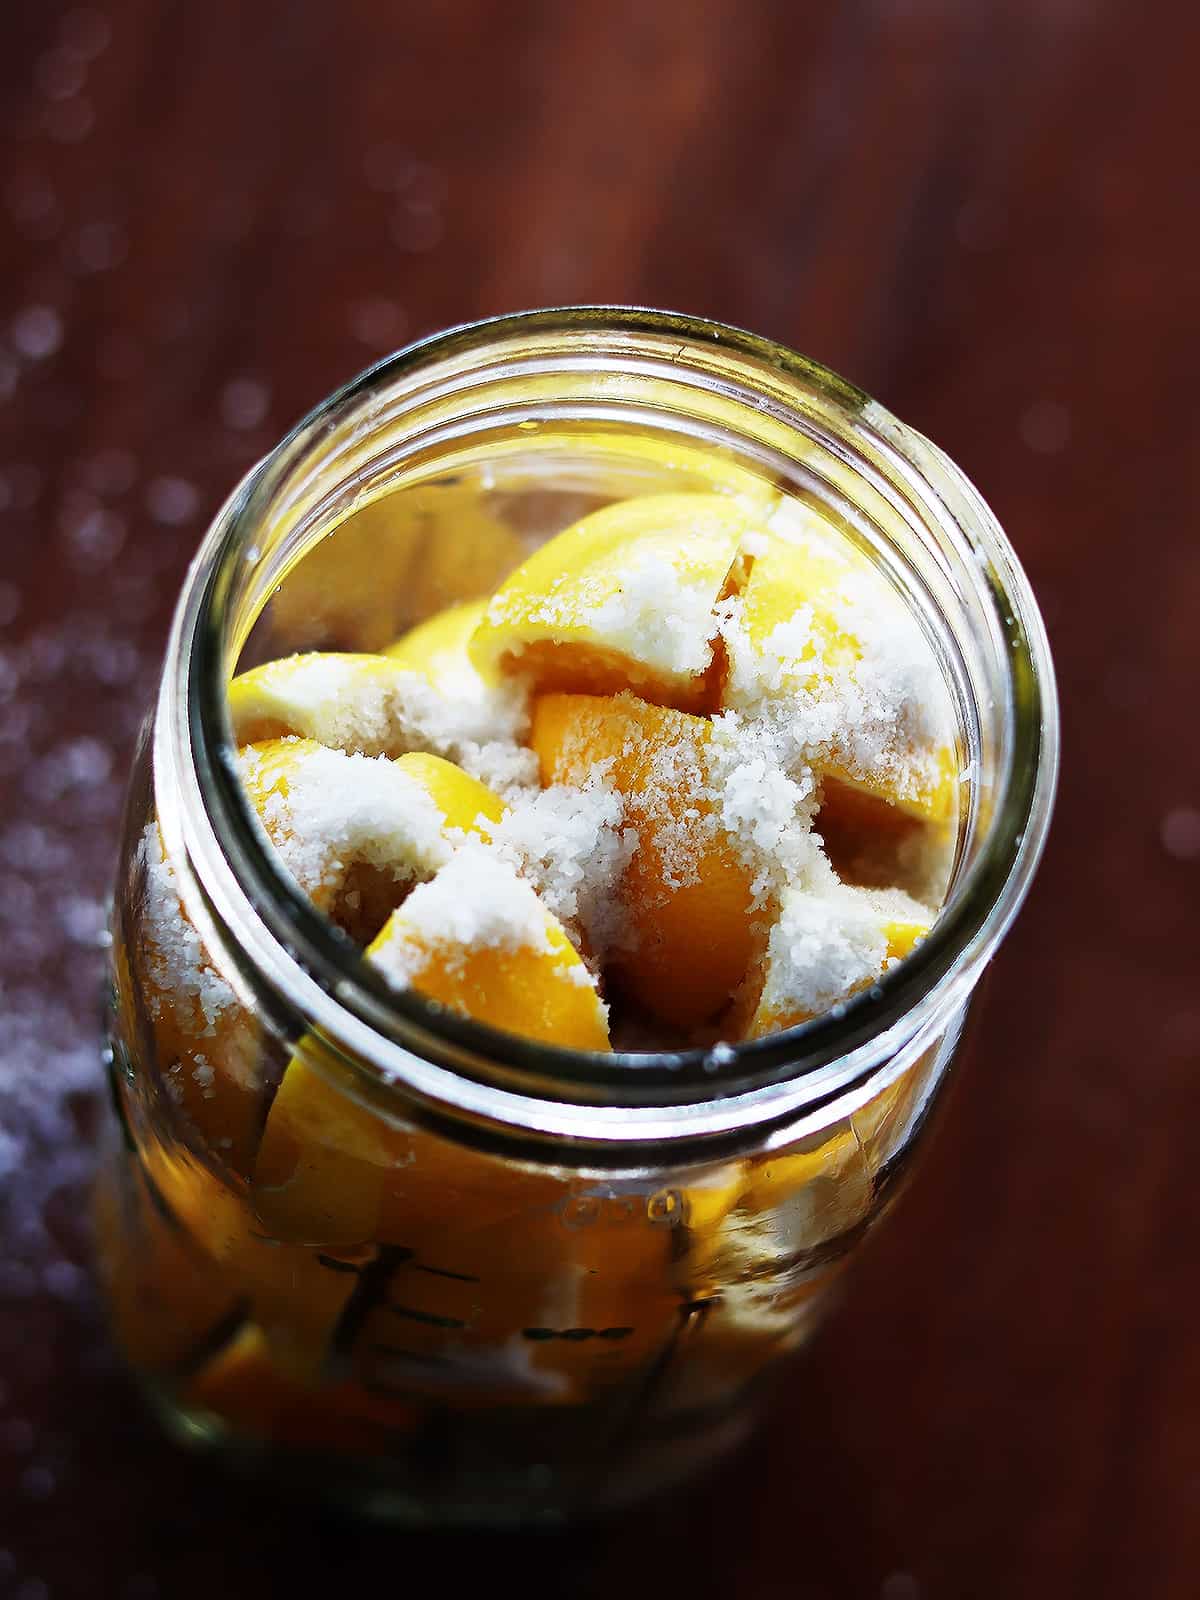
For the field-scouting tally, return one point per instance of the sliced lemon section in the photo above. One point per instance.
(401, 557)
(826, 944)
(328, 813)
(686, 895)
(622, 599)
(463, 801)
(424, 694)
(817, 635)
(477, 940)
(344, 701)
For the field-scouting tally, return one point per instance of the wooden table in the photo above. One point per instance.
(985, 214)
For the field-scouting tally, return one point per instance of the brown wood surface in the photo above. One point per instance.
(212, 212)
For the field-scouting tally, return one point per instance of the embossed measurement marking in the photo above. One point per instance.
(576, 1334)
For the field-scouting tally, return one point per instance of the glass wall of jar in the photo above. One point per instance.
(432, 1269)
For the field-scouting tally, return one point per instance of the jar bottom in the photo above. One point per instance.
(493, 1495)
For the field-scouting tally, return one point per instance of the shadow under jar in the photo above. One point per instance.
(432, 1270)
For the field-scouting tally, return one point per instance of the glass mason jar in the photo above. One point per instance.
(427, 1268)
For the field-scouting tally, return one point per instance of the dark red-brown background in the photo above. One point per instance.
(212, 212)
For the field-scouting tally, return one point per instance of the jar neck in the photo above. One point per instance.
(486, 391)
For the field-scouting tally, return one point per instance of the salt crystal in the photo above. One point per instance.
(376, 322)
(64, 1279)
(83, 920)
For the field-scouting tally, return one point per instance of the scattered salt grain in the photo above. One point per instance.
(172, 501)
(203, 1076)
(244, 403)
(37, 332)
(12, 1154)
(95, 539)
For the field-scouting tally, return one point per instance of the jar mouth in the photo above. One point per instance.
(292, 963)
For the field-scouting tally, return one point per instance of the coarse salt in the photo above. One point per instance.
(573, 846)
(184, 980)
(337, 811)
(476, 902)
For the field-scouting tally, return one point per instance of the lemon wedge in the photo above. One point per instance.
(345, 701)
(817, 633)
(623, 599)
(825, 945)
(477, 940)
(685, 894)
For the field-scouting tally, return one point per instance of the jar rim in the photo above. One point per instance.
(243, 901)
